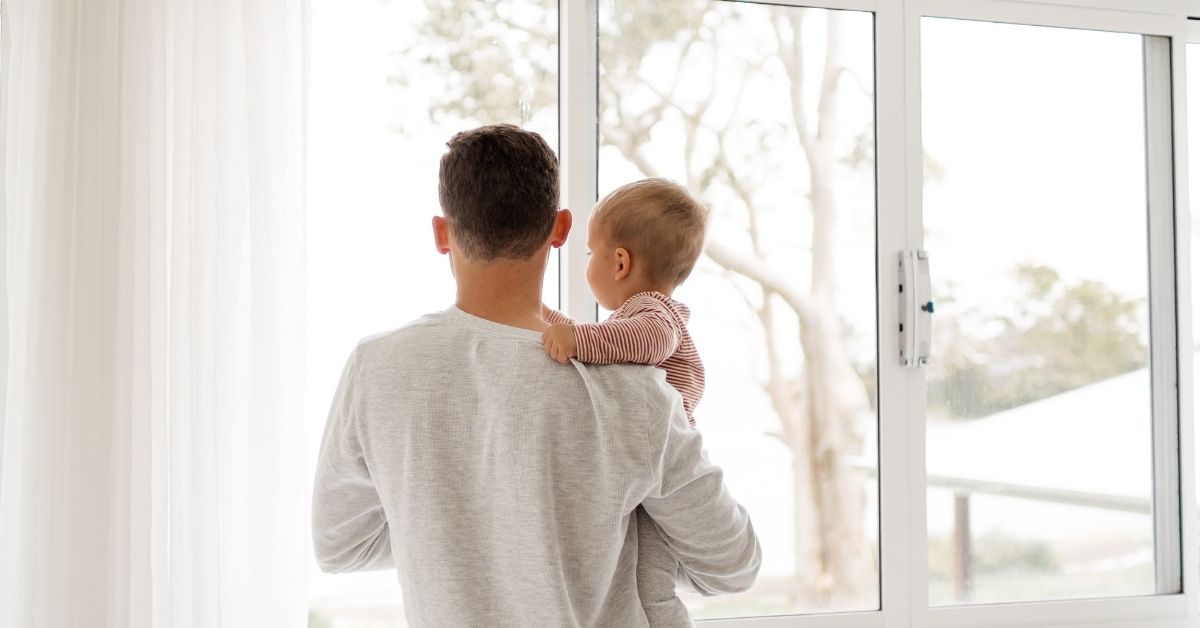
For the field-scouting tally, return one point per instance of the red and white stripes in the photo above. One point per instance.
(650, 328)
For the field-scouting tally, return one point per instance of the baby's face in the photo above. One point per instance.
(603, 266)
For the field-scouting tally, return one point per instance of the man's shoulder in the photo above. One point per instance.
(413, 333)
(630, 386)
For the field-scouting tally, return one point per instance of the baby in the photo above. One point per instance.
(643, 240)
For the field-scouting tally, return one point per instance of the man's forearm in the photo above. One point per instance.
(722, 554)
(349, 529)
(709, 532)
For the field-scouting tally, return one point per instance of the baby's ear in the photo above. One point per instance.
(623, 263)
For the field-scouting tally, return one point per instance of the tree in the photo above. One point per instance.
(728, 156)
(1059, 336)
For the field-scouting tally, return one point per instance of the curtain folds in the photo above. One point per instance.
(151, 470)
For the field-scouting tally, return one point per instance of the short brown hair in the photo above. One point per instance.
(498, 187)
(660, 222)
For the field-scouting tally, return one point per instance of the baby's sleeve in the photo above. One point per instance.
(644, 331)
(554, 317)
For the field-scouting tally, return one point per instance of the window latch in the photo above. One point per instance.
(916, 308)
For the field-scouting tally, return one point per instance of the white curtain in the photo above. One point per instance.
(151, 468)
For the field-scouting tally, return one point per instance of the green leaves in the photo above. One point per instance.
(1059, 336)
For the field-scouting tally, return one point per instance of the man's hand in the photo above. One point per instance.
(559, 341)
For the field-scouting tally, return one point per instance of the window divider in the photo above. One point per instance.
(1186, 31)
(1113, 612)
(872, 6)
(902, 563)
(578, 93)
(1039, 13)
(915, 409)
(867, 619)
(1156, 55)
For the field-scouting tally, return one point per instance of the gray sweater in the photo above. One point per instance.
(500, 484)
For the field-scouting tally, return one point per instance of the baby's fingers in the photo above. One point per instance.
(553, 349)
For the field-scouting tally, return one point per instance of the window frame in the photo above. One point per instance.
(899, 180)
(1171, 485)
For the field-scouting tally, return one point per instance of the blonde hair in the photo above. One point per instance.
(659, 222)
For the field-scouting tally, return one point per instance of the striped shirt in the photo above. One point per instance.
(650, 328)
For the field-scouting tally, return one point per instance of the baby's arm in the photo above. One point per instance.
(646, 334)
(554, 317)
(559, 337)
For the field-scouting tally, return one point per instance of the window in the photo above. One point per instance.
(767, 114)
(390, 82)
(1039, 447)
(1029, 474)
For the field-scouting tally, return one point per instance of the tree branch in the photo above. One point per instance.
(755, 270)
(791, 54)
(827, 103)
(740, 189)
(858, 82)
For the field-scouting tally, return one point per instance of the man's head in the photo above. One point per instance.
(498, 187)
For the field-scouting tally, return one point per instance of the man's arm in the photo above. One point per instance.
(704, 526)
(349, 529)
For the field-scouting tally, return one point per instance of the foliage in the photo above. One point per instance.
(319, 620)
(499, 60)
(1059, 336)
(994, 552)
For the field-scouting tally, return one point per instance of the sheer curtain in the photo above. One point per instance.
(150, 435)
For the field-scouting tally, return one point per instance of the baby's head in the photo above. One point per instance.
(646, 235)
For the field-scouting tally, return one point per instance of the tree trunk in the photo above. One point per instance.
(809, 568)
(835, 400)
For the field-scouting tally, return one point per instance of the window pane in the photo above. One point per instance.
(1039, 448)
(390, 83)
(783, 303)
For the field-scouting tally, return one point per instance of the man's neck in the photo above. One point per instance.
(509, 293)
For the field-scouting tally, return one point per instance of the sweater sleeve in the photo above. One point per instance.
(349, 529)
(705, 528)
(643, 332)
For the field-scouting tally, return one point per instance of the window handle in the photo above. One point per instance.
(916, 308)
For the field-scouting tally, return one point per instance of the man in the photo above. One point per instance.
(499, 483)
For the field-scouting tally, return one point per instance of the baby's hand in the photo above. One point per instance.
(559, 341)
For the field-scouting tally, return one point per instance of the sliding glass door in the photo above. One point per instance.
(1040, 399)
(767, 114)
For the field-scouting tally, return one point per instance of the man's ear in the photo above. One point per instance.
(562, 228)
(623, 262)
(441, 235)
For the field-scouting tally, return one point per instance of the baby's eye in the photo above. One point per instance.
(589, 254)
